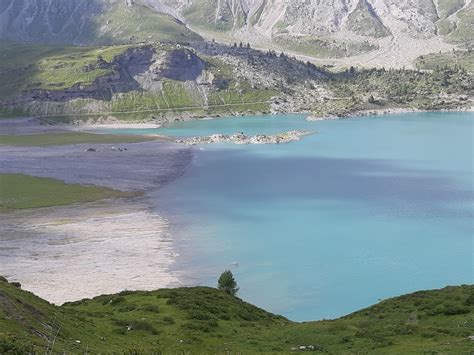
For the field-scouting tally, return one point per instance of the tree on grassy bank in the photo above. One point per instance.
(227, 283)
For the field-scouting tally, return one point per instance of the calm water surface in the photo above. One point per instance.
(365, 209)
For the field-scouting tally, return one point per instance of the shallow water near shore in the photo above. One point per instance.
(367, 208)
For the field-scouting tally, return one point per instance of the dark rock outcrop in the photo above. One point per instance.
(181, 65)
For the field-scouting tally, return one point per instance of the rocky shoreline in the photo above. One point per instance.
(55, 251)
(241, 138)
(385, 111)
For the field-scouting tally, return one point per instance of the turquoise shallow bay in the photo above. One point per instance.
(367, 208)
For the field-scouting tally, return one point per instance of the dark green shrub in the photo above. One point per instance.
(12, 347)
(135, 325)
(470, 300)
(126, 293)
(127, 308)
(117, 300)
(151, 308)
(199, 315)
(452, 310)
(168, 320)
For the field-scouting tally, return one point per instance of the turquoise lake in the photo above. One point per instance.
(365, 209)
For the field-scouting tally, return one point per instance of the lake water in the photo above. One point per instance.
(367, 208)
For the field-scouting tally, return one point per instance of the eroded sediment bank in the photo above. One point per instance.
(69, 253)
(83, 250)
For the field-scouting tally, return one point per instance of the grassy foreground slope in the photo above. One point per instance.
(206, 320)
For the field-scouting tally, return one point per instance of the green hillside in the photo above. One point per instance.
(139, 24)
(206, 320)
(459, 32)
(168, 81)
(51, 67)
(56, 68)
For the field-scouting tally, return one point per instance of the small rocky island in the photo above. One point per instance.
(241, 138)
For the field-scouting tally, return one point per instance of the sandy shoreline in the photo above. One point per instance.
(27, 125)
(143, 125)
(85, 250)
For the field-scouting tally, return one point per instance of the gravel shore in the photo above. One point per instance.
(84, 250)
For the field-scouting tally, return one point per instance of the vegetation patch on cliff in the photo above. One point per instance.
(50, 67)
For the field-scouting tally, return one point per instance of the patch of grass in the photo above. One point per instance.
(323, 48)
(258, 14)
(448, 7)
(142, 24)
(206, 320)
(203, 14)
(19, 191)
(448, 60)
(461, 32)
(63, 71)
(364, 21)
(50, 67)
(93, 22)
(64, 138)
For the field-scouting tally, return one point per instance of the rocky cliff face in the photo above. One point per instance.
(36, 20)
(375, 32)
(90, 21)
(370, 18)
(138, 69)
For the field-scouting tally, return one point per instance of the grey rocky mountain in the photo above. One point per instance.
(371, 32)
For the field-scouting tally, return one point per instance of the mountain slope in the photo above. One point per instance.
(163, 82)
(324, 18)
(390, 33)
(90, 22)
(344, 33)
(205, 320)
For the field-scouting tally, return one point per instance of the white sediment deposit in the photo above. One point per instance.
(84, 250)
(69, 253)
(241, 138)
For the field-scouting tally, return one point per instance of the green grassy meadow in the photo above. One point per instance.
(50, 67)
(19, 191)
(451, 60)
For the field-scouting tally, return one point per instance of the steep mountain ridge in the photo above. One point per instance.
(419, 18)
(90, 21)
(380, 33)
(368, 33)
